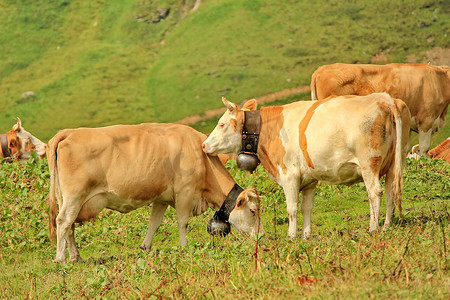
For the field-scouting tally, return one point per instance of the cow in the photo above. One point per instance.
(338, 140)
(442, 151)
(124, 167)
(18, 144)
(424, 88)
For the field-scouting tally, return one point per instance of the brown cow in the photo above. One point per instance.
(125, 167)
(424, 88)
(442, 151)
(18, 144)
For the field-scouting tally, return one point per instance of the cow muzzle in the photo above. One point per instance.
(218, 227)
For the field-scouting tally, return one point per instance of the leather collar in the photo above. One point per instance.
(5, 147)
(228, 205)
(250, 131)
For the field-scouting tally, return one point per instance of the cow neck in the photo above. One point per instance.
(4, 145)
(219, 182)
(270, 149)
(228, 205)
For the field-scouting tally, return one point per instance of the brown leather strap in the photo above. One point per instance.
(250, 131)
(4, 144)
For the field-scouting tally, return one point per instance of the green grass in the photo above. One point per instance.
(342, 260)
(95, 63)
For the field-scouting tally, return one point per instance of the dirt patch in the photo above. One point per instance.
(194, 119)
(437, 56)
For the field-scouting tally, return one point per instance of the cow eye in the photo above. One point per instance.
(253, 211)
(221, 124)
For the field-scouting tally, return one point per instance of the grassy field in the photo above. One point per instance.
(342, 260)
(95, 63)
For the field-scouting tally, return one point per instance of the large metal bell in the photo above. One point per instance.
(247, 162)
(218, 227)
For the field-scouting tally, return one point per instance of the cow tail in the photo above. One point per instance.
(399, 160)
(313, 86)
(55, 196)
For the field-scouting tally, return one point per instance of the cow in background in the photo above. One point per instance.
(338, 140)
(125, 167)
(18, 144)
(442, 151)
(424, 88)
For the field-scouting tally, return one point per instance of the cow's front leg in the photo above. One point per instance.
(183, 206)
(291, 191)
(307, 206)
(424, 142)
(156, 217)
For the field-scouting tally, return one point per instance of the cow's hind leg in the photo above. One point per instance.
(307, 206)
(374, 191)
(74, 255)
(389, 195)
(156, 217)
(64, 221)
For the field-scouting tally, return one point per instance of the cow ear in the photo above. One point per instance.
(250, 105)
(12, 143)
(240, 202)
(229, 105)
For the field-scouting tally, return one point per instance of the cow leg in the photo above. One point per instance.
(156, 217)
(183, 206)
(291, 191)
(307, 206)
(64, 221)
(74, 255)
(389, 198)
(424, 142)
(374, 191)
(183, 219)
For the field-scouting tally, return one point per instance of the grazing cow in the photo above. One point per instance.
(425, 89)
(18, 144)
(125, 167)
(341, 140)
(442, 151)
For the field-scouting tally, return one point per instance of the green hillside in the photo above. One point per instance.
(95, 63)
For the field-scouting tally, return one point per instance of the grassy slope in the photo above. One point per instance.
(346, 261)
(91, 64)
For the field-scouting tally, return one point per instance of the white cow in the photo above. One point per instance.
(341, 140)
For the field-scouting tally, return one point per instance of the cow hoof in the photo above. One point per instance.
(385, 227)
(145, 248)
(76, 259)
(59, 261)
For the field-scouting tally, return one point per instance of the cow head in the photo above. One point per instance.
(20, 143)
(226, 137)
(245, 215)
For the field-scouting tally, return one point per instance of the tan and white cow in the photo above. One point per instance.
(424, 88)
(441, 151)
(341, 140)
(125, 167)
(18, 144)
